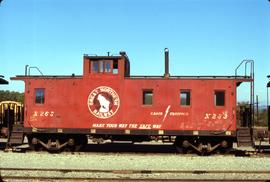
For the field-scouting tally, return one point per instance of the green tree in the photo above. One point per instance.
(6, 95)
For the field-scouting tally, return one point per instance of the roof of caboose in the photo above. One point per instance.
(153, 77)
(239, 79)
(204, 77)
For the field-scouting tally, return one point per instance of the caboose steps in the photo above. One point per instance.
(16, 136)
(244, 138)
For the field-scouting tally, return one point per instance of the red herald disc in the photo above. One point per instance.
(103, 102)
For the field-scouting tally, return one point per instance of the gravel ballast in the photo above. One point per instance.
(119, 161)
(138, 162)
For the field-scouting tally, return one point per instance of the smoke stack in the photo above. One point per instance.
(167, 74)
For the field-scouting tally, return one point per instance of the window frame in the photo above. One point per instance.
(144, 92)
(215, 98)
(42, 99)
(94, 67)
(188, 97)
(100, 66)
(105, 62)
(115, 71)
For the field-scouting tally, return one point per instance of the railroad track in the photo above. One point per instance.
(31, 174)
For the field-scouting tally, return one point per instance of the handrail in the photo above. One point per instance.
(34, 67)
(251, 62)
(28, 69)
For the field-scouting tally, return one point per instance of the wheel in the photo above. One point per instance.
(181, 150)
(178, 143)
(80, 142)
(34, 147)
(226, 150)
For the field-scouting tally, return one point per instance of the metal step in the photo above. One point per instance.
(16, 135)
(17, 127)
(243, 133)
(15, 141)
(244, 138)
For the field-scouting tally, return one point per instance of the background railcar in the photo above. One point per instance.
(3, 119)
(197, 112)
(11, 113)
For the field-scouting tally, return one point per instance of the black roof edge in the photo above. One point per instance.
(101, 57)
(193, 77)
(48, 76)
(141, 77)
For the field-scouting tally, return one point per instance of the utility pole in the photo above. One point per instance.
(257, 108)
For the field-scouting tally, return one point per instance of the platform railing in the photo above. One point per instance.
(246, 62)
(251, 75)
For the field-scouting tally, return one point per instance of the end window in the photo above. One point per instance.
(107, 66)
(185, 97)
(40, 95)
(104, 66)
(219, 98)
(101, 67)
(147, 97)
(94, 66)
(115, 66)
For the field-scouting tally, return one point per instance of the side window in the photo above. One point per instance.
(40, 95)
(185, 97)
(219, 98)
(147, 97)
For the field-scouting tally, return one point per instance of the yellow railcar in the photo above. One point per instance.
(11, 112)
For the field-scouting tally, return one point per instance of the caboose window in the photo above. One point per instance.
(185, 97)
(101, 67)
(219, 98)
(107, 66)
(40, 95)
(115, 66)
(147, 97)
(94, 66)
(104, 66)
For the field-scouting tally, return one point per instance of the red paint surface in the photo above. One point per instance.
(66, 103)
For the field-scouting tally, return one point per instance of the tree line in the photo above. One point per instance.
(6, 95)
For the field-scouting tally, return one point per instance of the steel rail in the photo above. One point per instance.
(21, 179)
(131, 175)
(137, 171)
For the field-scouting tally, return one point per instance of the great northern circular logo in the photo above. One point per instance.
(103, 102)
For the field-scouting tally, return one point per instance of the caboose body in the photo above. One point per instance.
(107, 103)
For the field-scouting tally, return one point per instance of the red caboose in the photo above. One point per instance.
(107, 103)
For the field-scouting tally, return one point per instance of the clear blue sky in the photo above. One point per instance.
(205, 37)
